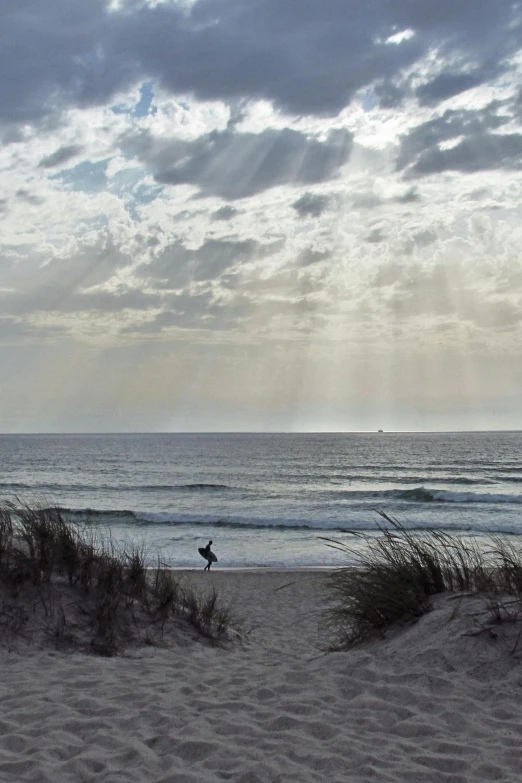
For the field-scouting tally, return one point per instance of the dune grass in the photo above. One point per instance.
(398, 573)
(87, 593)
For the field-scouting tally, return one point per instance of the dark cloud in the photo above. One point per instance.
(450, 125)
(446, 85)
(479, 194)
(305, 57)
(187, 310)
(177, 266)
(311, 204)
(310, 57)
(30, 198)
(376, 236)
(389, 96)
(224, 213)
(62, 155)
(477, 146)
(54, 55)
(424, 238)
(476, 153)
(237, 165)
(311, 256)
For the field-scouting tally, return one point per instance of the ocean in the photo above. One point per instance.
(268, 499)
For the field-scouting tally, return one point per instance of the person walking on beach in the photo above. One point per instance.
(206, 552)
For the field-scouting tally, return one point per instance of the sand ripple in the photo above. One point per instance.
(427, 705)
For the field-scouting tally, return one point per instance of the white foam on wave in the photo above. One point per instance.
(448, 496)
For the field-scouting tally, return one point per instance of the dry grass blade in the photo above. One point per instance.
(398, 572)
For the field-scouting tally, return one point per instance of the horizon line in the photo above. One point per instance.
(256, 432)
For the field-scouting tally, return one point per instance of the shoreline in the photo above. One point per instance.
(255, 569)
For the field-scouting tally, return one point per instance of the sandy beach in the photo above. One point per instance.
(433, 702)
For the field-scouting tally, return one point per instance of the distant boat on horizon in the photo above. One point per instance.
(380, 430)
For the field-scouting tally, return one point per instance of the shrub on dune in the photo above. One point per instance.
(86, 591)
(398, 572)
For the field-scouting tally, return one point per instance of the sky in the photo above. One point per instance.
(260, 215)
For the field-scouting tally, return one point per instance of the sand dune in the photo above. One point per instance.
(428, 704)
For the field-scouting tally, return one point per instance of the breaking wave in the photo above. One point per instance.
(423, 495)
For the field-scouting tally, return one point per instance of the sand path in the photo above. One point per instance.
(427, 705)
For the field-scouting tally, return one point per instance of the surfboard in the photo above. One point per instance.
(208, 556)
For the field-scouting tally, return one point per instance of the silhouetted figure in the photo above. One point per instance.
(208, 554)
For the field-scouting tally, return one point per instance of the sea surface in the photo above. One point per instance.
(268, 499)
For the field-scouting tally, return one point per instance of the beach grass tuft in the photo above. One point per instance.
(206, 612)
(398, 573)
(82, 590)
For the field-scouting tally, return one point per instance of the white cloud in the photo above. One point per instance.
(398, 38)
(318, 182)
